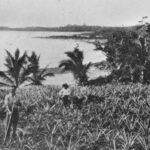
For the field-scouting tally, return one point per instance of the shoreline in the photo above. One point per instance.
(82, 36)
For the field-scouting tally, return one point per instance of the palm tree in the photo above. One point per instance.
(16, 74)
(17, 70)
(38, 75)
(75, 65)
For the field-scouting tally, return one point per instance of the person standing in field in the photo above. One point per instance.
(65, 94)
(12, 113)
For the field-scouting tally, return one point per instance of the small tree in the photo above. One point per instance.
(37, 75)
(75, 65)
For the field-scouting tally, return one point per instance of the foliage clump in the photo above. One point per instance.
(128, 56)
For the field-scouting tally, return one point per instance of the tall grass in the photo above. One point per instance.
(121, 122)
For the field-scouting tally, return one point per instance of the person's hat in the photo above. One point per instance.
(65, 85)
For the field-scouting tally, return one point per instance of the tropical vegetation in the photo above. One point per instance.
(38, 75)
(128, 57)
(75, 65)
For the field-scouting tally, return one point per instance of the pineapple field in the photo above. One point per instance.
(111, 117)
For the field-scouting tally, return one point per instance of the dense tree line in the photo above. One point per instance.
(128, 55)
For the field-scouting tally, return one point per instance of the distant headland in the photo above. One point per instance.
(67, 28)
(89, 32)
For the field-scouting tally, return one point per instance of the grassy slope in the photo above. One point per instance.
(123, 117)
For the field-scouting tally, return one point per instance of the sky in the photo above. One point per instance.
(50, 13)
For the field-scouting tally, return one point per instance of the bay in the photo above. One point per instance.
(51, 51)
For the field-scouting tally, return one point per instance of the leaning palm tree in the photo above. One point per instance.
(37, 75)
(75, 65)
(17, 70)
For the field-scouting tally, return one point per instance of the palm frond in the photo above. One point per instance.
(5, 85)
(49, 74)
(9, 55)
(10, 61)
(76, 55)
(67, 65)
(21, 60)
(24, 73)
(34, 59)
(87, 66)
(79, 54)
(17, 53)
(30, 79)
(72, 56)
(35, 81)
(5, 77)
(43, 71)
(40, 78)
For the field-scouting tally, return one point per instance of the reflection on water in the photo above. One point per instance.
(51, 50)
(60, 79)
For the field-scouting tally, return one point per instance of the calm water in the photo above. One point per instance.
(50, 50)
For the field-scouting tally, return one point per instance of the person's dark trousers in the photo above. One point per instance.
(13, 122)
(66, 101)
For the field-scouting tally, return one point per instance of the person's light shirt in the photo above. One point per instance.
(64, 92)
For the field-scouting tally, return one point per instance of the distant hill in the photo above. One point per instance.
(68, 28)
(93, 32)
